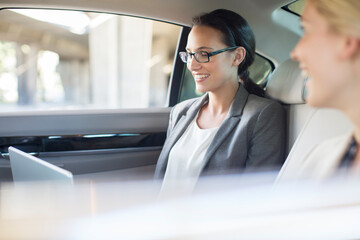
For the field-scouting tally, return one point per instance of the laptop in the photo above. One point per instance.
(25, 167)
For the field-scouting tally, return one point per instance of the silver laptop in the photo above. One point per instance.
(26, 167)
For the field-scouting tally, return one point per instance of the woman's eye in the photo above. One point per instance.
(203, 54)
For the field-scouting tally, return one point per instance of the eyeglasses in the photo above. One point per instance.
(201, 56)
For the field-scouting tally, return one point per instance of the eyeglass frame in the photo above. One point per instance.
(209, 54)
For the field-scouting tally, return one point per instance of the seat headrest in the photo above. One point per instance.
(286, 84)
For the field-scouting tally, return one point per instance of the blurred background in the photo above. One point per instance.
(72, 59)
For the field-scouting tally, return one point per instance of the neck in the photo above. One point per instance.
(355, 116)
(220, 101)
(351, 108)
(353, 113)
(347, 98)
(356, 121)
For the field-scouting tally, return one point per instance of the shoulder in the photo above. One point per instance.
(263, 106)
(320, 162)
(333, 146)
(262, 102)
(187, 103)
(184, 106)
(324, 159)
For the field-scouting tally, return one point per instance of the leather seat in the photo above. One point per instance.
(306, 126)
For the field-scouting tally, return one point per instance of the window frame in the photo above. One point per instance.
(288, 9)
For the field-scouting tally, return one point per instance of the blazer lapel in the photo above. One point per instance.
(185, 120)
(178, 131)
(233, 118)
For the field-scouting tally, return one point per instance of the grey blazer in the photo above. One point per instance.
(251, 136)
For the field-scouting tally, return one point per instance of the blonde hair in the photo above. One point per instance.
(342, 15)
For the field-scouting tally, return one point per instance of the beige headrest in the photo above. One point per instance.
(286, 84)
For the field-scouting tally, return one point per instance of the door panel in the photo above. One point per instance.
(47, 123)
(99, 141)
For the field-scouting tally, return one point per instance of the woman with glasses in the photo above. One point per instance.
(329, 54)
(232, 128)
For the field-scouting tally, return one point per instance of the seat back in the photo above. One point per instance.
(306, 126)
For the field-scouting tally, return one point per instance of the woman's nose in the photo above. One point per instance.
(193, 64)
(293, 55)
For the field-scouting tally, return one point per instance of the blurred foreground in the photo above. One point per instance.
(231, 207)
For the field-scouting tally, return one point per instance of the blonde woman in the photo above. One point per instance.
(329, 53)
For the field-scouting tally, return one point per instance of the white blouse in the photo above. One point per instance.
(186, 158)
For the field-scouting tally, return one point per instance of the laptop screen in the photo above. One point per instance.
(26, 167)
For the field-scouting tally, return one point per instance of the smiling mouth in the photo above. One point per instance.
(200, 77)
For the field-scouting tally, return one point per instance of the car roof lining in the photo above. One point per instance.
(259, 14)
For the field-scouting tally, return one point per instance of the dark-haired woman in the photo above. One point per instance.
(232, 127)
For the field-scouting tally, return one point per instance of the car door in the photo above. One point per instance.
(89, 97)
(91, 92)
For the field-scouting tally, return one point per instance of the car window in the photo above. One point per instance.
(296, 7)
(259, 73)
(56, 59)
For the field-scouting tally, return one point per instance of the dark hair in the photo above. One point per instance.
(235, 32)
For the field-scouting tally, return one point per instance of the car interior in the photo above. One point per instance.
(112, 131)
(88, 86)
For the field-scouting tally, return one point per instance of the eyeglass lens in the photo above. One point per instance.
(200, 56)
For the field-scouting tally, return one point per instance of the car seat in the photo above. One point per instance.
(306, 126)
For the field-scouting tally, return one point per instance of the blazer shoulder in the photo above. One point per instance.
(182, 107)
(260, 104)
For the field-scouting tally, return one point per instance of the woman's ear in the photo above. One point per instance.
(240, 54)
(350, 48)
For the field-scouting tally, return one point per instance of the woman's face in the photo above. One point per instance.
(221, 69)
(319, 53)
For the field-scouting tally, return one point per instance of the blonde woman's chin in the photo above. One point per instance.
(309, 95)
(317, 100)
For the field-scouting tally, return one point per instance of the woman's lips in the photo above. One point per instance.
(200, 77)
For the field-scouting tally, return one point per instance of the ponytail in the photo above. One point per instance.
(249, 84)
